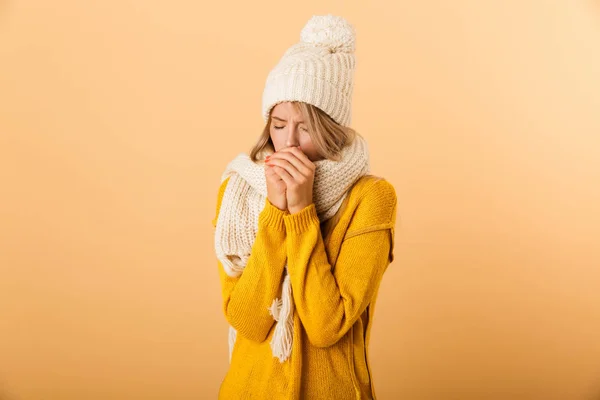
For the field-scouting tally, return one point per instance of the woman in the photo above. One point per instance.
(303, 233)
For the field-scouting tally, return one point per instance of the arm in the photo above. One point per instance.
(246, 299)
(329, 303)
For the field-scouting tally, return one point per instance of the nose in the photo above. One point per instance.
(292, 137)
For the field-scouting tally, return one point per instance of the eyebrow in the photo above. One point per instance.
(275, 117)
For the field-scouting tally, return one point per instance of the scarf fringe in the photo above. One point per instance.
(283, 312)
(232, 338)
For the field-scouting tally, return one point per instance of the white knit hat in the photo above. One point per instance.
(318, 70)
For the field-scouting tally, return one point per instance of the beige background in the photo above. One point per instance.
(118, 117)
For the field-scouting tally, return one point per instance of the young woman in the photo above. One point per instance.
(303, 233)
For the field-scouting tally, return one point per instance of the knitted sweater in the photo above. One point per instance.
(335, 282)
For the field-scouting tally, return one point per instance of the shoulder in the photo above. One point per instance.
(379, 186)
(222, 187)
(375, 202)
(220, 193)
(376, 191)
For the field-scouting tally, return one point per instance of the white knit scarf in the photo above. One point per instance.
(237, 222)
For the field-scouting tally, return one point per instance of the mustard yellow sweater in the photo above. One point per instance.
(335, 281)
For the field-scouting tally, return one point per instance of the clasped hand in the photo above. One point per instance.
(297, 172)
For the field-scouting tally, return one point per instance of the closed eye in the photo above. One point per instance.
(281, 127)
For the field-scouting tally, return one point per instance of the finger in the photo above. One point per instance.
(283, 162)
(301, 157)
(288, 155)
(287, 178)
(271, 174)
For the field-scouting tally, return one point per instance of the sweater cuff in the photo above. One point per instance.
(302, 220)
(272, 216)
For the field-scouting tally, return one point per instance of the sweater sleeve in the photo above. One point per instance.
(329, 302)
(247, 298)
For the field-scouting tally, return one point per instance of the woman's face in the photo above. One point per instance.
(288, 129)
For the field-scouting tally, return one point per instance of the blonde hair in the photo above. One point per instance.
(328, 137)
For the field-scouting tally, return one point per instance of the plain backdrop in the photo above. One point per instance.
(117, 119)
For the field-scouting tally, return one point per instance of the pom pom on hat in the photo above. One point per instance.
(331, 31)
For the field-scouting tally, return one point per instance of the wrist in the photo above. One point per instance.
(302, 220)
(272, 216)
(298, 208)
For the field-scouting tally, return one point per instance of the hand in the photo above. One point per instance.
(297, 172)
(276, 188)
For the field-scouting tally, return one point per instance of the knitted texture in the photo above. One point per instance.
(238, 222)
(318, 70)
(335, 281)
